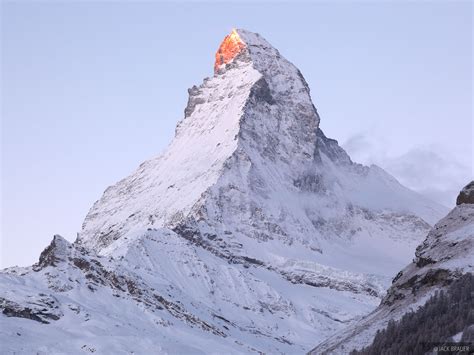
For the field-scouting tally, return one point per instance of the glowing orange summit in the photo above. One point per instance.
(229, 48)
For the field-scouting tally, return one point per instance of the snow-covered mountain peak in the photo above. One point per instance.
(249, 161)
(243, 45)
(284, 81)
(256, 108)
(230, 47)
(252, 232)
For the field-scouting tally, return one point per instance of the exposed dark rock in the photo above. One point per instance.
(438, 277)
(400, 274)
(466, 195)
(81, 264)
(392, 297)
(421, 262)
(22, 313)
(260, 92)
(41, 310)
(193, 100)
(253, 261)
(52, 254)
(435, 277)
(323, 281)
(330, 148)
(221, 250)
(178, 312)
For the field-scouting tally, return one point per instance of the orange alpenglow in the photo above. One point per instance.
(228, 50)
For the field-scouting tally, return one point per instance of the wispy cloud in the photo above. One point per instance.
(429, 170)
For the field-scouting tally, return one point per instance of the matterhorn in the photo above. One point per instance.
(251, 233)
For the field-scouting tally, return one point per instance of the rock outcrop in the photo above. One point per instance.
(466, 195)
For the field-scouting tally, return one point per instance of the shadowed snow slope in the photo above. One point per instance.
(445, 255)
(251, 232)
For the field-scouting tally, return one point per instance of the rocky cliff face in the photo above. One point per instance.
(445, 255)
(252, 232)
(466, 195)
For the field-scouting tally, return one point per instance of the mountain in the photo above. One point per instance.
(252, 232)
(445, 256)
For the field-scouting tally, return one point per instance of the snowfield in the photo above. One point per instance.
(166, 296)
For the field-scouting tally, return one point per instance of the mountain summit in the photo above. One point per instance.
(249, 159)
(230, 47)
(252, 232)
(256, 112)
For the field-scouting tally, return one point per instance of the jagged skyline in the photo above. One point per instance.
(71, 134)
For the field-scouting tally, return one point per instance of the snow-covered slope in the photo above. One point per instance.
(162, 295)
(253, 231)
(445, 255)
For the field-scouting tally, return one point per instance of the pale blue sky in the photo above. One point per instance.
(91, 89)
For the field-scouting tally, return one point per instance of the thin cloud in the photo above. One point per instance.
(428, 170)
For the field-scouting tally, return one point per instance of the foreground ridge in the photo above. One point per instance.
(444, 257)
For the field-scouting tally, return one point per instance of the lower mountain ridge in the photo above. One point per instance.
(444, 257)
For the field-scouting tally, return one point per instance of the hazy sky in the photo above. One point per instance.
(92, 89)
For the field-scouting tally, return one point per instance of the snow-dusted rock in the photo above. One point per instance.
(252, 232)
(466, 195)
